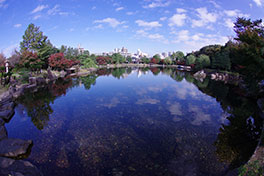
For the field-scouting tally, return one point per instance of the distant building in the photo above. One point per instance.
(80, 50)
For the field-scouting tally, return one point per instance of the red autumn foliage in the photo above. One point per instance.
(180, 63)
(30, 60)
(60, 87)
(155, 70)
(101, 60)
(59, 62)
(103, 71)
(154, 61)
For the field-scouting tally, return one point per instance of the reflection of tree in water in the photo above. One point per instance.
(118, 72)
(238, 139)
(37, 104)
(155, 70)
(88, 81)
(177, 76)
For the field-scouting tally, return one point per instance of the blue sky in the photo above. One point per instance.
(153, 26)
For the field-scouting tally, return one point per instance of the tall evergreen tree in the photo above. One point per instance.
(33, 39)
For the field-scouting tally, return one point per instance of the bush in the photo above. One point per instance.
(59, 62)
(88, 63)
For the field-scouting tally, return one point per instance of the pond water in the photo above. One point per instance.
(137, 122)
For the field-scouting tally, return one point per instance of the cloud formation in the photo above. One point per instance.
(204, 17)
(148, 25)
(110, 21)
(39, 8)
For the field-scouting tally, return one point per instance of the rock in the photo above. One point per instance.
(5, 98)
(62, 74)
(31, 86)
(3, 132)
(2, 122)
(14, 148)
(40, 80)
(50, 75)
(213, 76)
(200, 74)
(32, 80)
(7, 114)
(7, 106)
(17, 168)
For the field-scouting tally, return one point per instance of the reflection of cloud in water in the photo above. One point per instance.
(147, 101)
(175, 109)
(176, 119)
(113, 103)
(141, 91)
(155, 89)
(185, 90)
(199, 115)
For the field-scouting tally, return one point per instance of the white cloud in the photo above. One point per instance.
(180, 10)
(111, 21)
(17, 25)
(2, 4)
(215, 4)
(93, 8)
(155, 36)
(163, 18)
(148, 25)
(229, 23)
(183, 35)
(54, 10)
(235, 13)
(157, 3)
(258, 2)
(36, 17)
(8, 51)
(142, 33)
(205, 17)
(177, 20)
(99, 26)
(71, 29)
(39, 8)
(119, 8)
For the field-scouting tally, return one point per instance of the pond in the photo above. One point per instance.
(132, 121)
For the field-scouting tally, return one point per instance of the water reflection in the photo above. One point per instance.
(156, 125)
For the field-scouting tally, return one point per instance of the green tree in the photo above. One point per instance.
(179, 56)
(33, 39)
(129, 59)
(249, 53)
(167, 61)
(145, 60)
(221, 59)
(190, 59)
(202, 61)
(118, 58)
(88, 63)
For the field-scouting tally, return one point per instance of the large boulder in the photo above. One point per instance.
(17, 168)
(7, 106)
(15, 148)
(5, 98)
(7, 114)
(63, 74)
(2, 122)
(32, 80)
(41, 80)
(3, 132)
